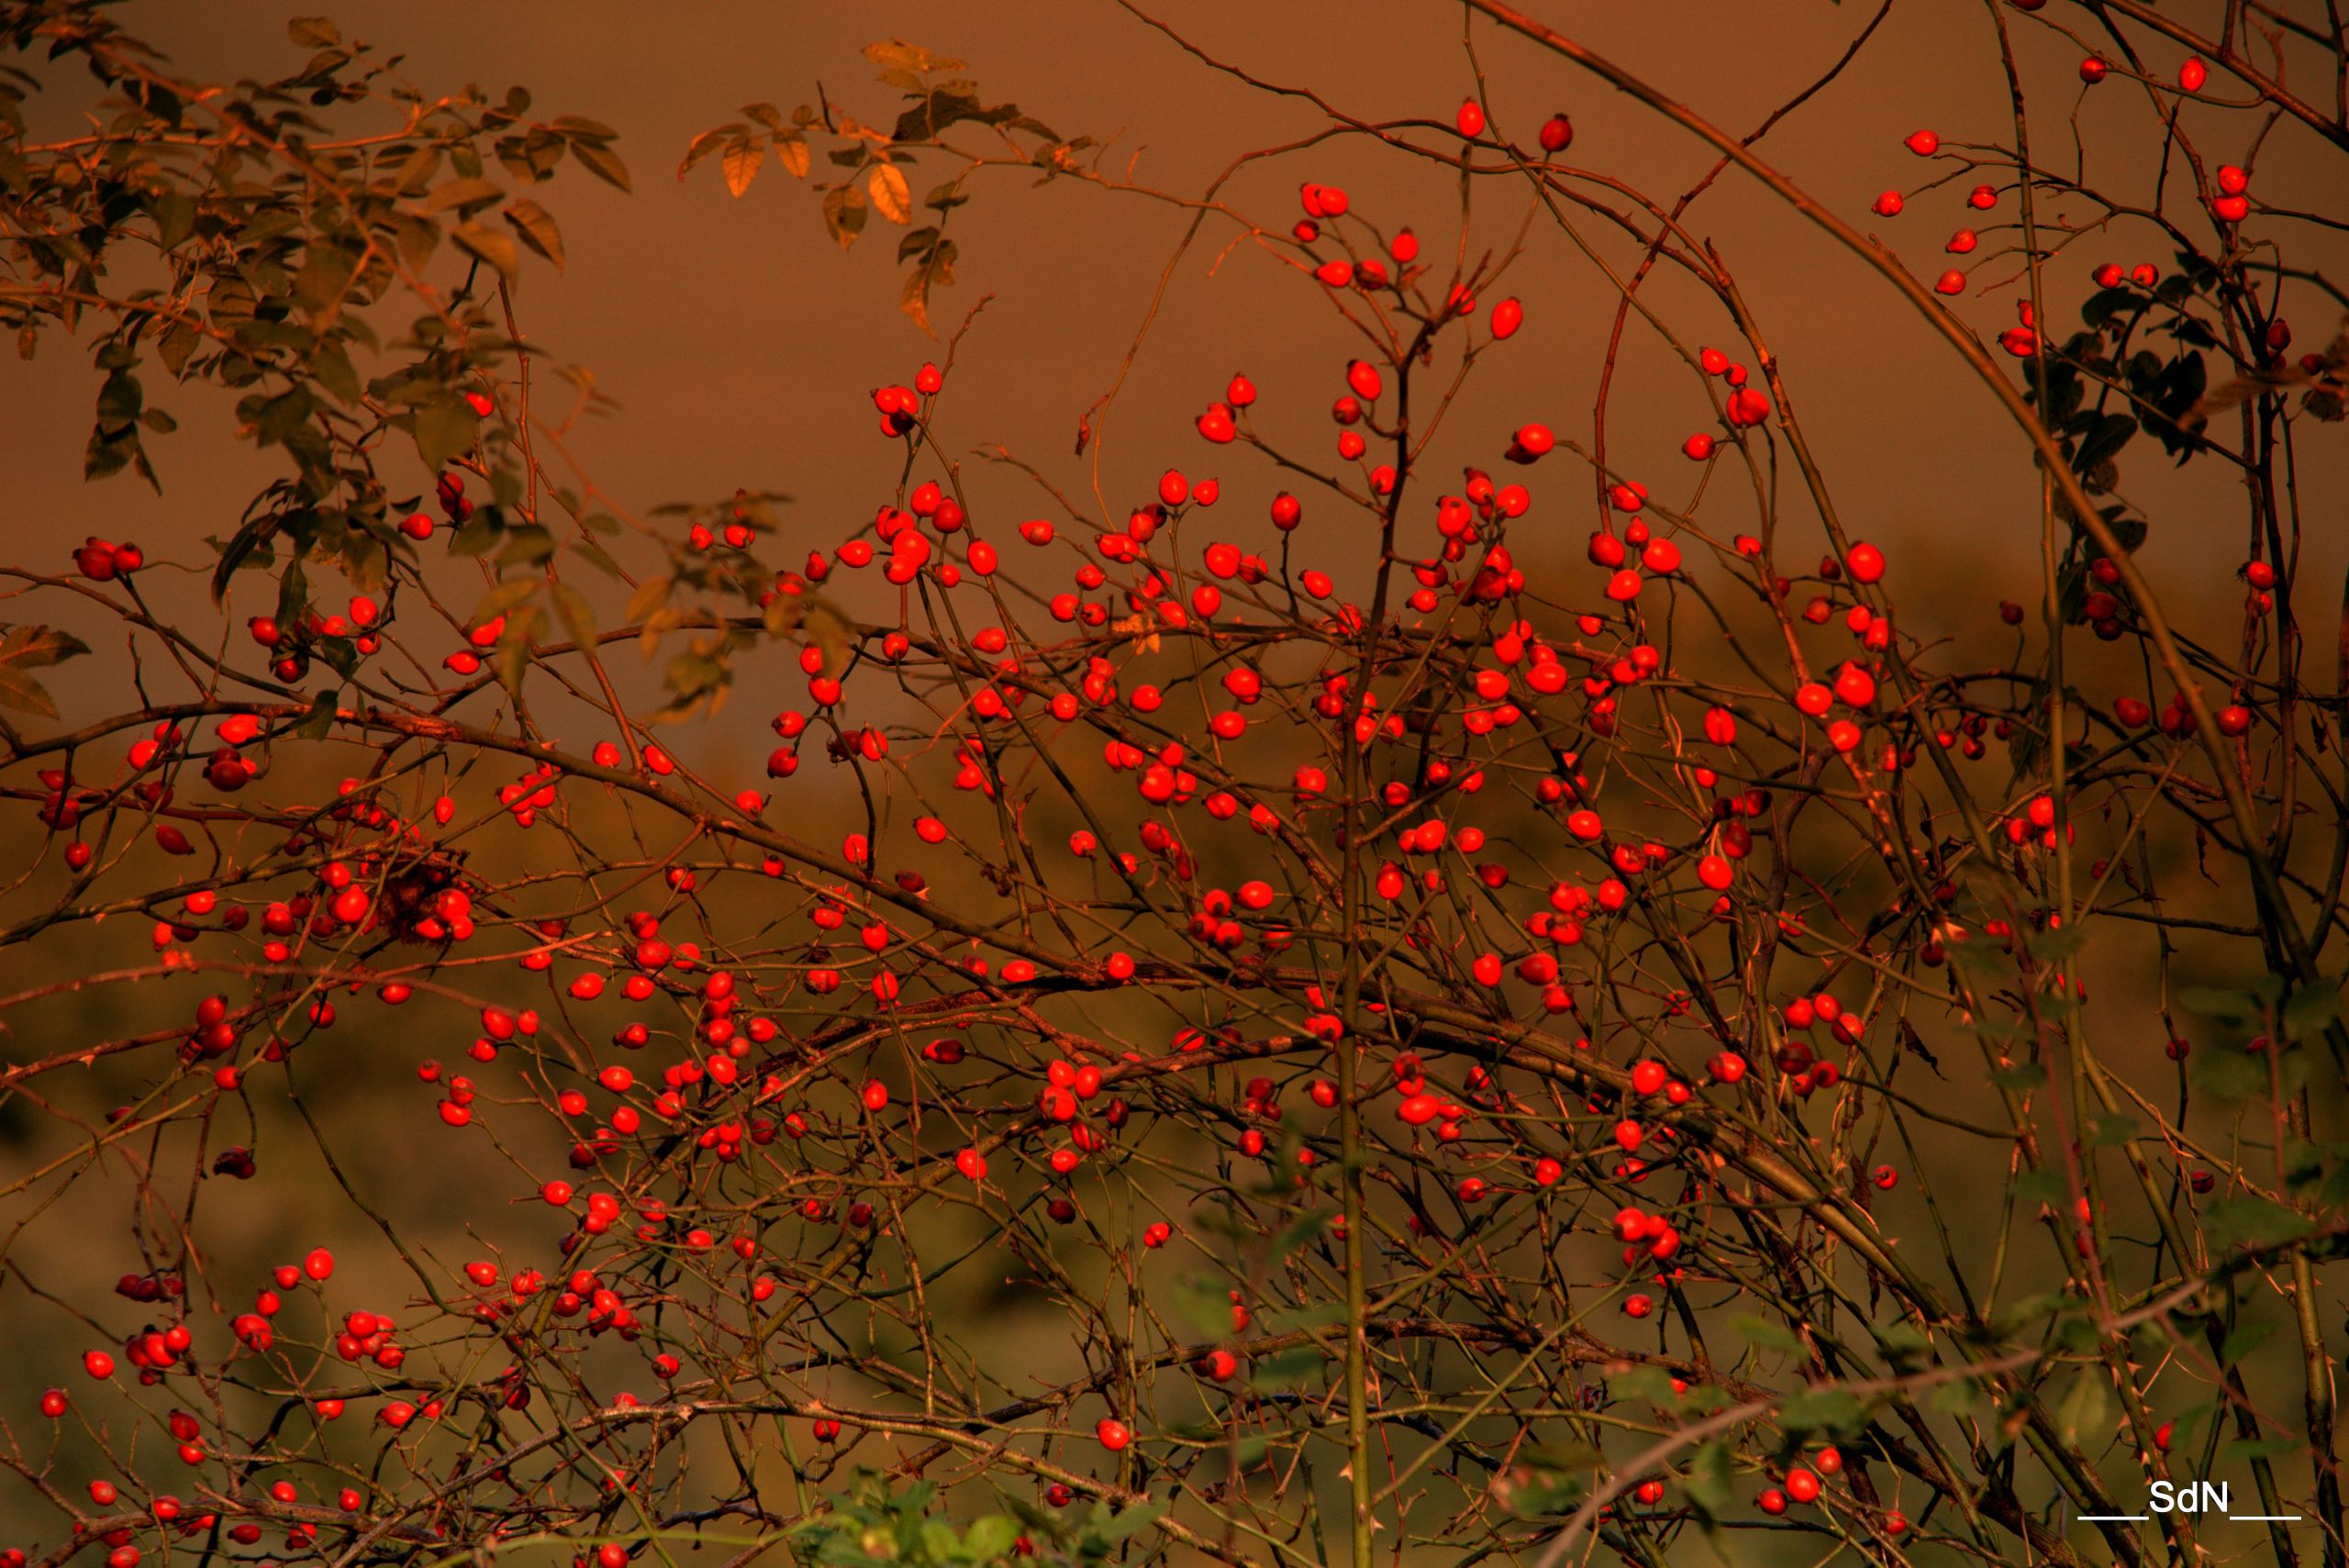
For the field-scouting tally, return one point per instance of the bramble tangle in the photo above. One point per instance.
(1416, 979)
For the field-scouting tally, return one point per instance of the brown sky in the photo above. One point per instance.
(741, 340)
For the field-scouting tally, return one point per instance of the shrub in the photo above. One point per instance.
(1281, 1015)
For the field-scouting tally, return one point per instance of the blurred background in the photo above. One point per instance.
(739, 340)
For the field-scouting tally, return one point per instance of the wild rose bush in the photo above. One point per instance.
(1505, 994)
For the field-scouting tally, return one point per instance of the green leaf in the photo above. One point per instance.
(2021, 1076)
(1833, 1411)
(2246, 1337)
(1765, 1333)
(1128, 1520)
(174, 215)
(2309, 1010)
(2253, 1221)
(1958, 1396)
(24, 649)
(990, 1538)
(1905, 1344)
(320, 717)
(572, 607)
(277, 421)
(1301, 1231)
(537, 228)
(417, 173)
(595, 555)
(332, 368)
(1569, 1458)
(2043, 1186)
(1707, 1476)
(917, 242)
(477, 534)
(1202, 1305)
(2055, 946)
(501, 599)
(445, 428)
(2237, 1452)
(463, 193)
(2112, 1130)
(109, 454)
(418, 237)
(526, 545)
(2111, 433)
(176, 346)
(601, 160)
(1286, 1369)
(2238, 1008)
(1651, 1384)
(2230, 1073)
(513, 654)
(293, 592)
(498, 249)
(2086, 1407)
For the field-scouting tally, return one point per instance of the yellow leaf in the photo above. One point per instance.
(791, 148)
(824, 626)
(914, 299)
(743, 156)
(651, 595)
(891, 196)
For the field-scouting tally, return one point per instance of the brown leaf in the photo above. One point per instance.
(913, 300)
(844, 209)
(24, 649)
